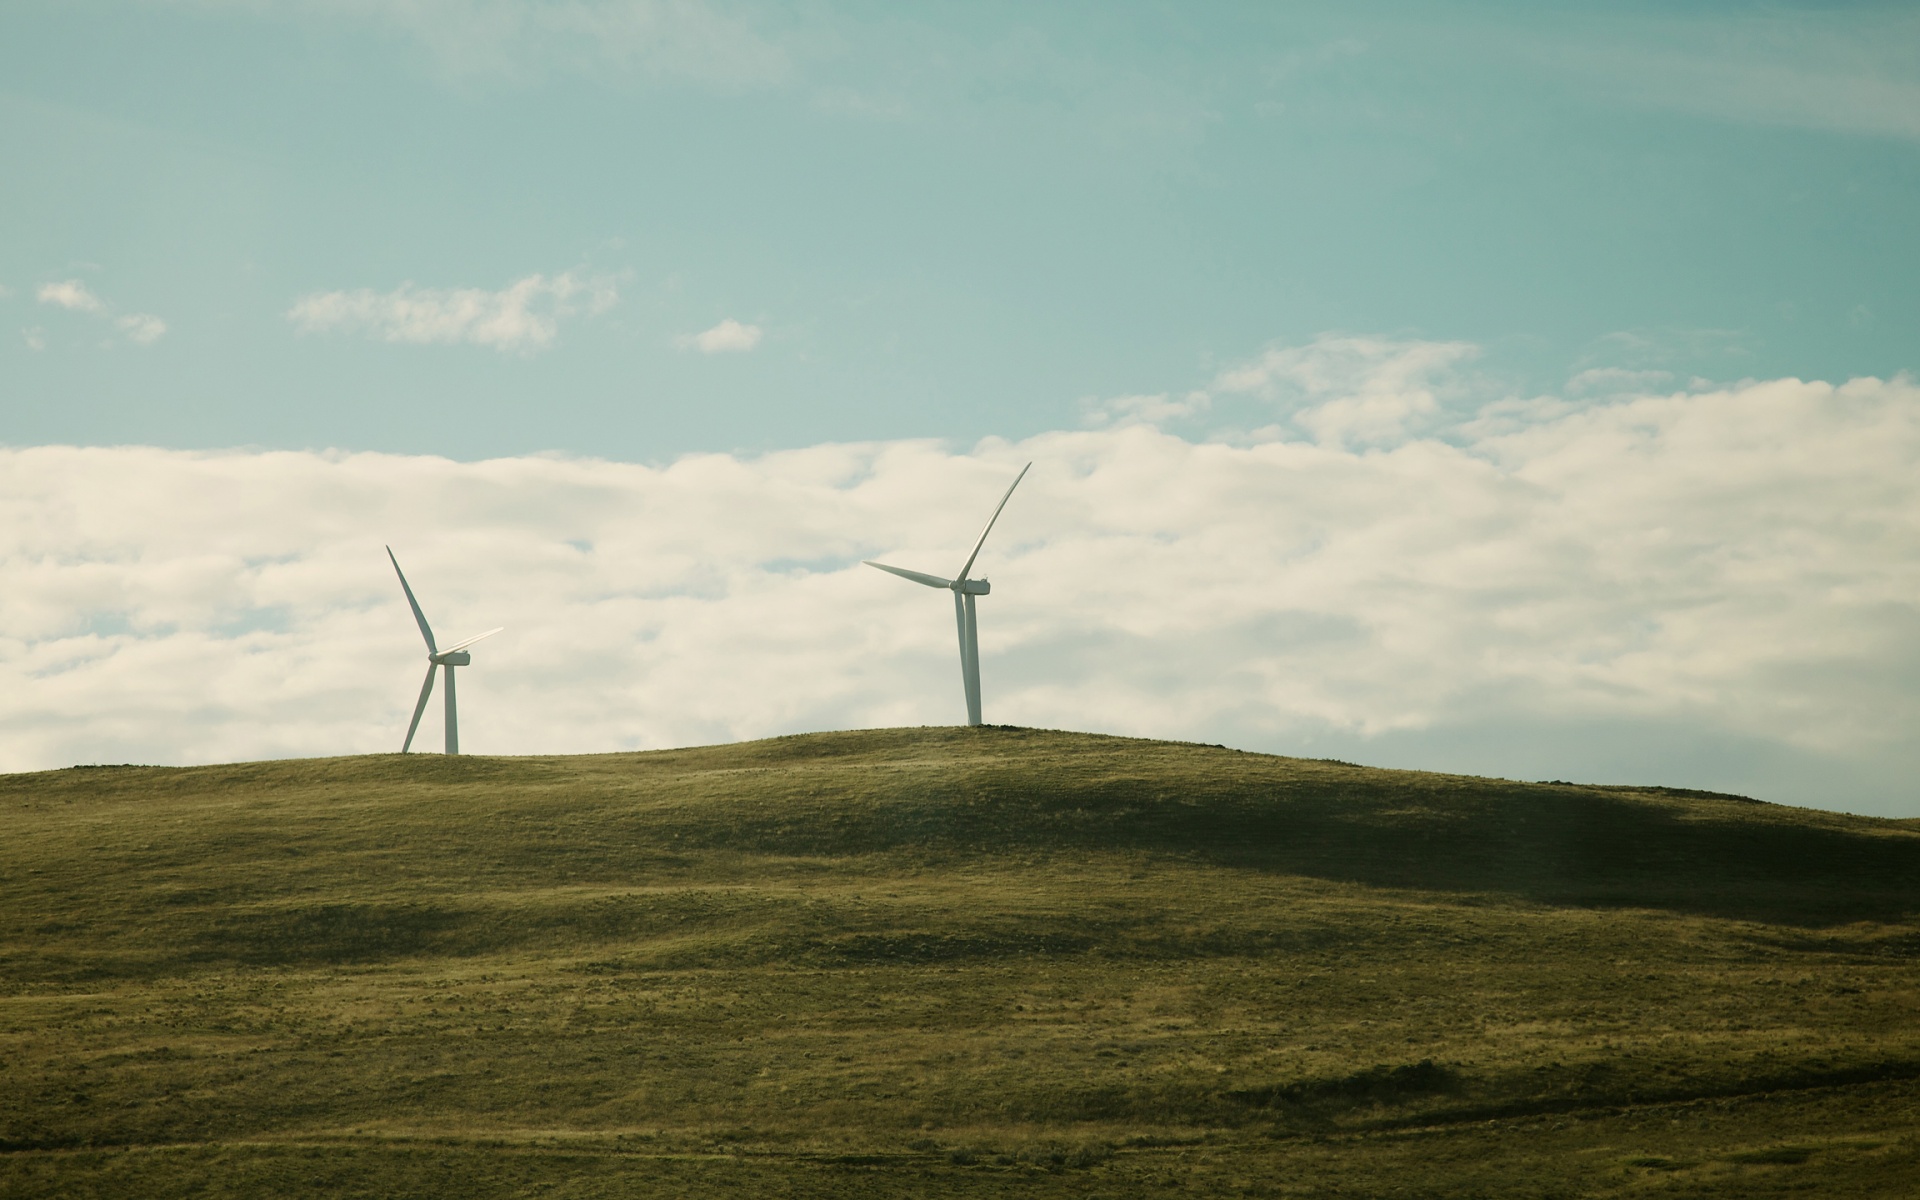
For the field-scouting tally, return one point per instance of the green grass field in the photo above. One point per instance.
(944, 962)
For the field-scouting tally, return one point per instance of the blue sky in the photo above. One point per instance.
(1515, 389)
(946, 220)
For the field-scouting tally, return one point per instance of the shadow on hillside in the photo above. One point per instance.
(1555, 844)
(1566, 846)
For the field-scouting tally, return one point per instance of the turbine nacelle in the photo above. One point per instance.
(452, 658)
(971, 587)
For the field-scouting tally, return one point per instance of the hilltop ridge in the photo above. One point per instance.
(953, 961)
(959, 790)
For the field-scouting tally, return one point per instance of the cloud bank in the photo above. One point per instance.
(1705, 588)
(524, 315)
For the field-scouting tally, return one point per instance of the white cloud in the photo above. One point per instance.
(1339, 390)
(35, 337)
(71, 295)
(1351, 389)
(1158, 409)
(1711, 589)
(524, 315)
(143, 329)
(728, 337)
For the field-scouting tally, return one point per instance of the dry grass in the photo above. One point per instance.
(952, 962)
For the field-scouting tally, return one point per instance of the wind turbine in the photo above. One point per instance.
(446, 660)
(964, 590)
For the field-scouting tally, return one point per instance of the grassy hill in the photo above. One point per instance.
(988, 962)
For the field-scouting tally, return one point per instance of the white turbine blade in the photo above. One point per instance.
(995, 517)
(426, 690)
(476, 637)
(419, 616)
(917, 577)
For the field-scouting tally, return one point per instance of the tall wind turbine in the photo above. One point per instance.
(446, 660)
(964, 590)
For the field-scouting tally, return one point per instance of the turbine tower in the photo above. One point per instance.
(446, 660)
(964, 590)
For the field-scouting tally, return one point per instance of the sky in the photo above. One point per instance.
(1515, 389)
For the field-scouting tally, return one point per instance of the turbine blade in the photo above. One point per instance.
(990, 520)
(476, 637)
(917, 577)
(426, 689)
(419, 616)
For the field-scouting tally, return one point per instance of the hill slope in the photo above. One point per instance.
(943, 961)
